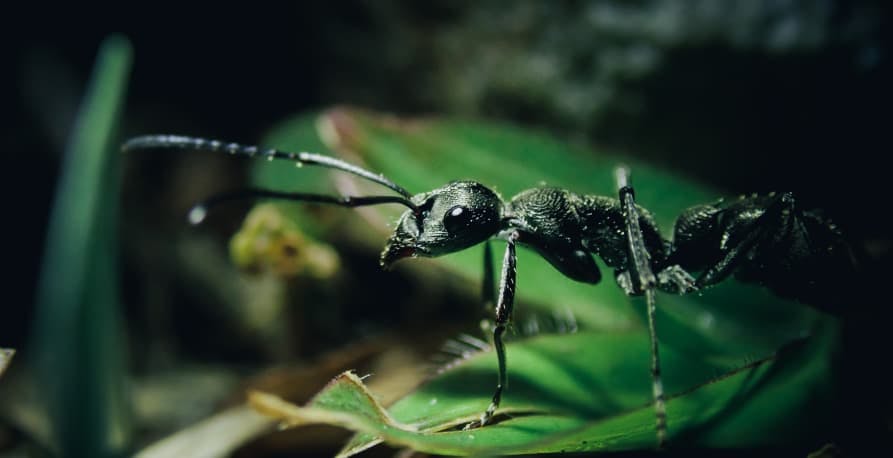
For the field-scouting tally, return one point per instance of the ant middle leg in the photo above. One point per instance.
(639, 277)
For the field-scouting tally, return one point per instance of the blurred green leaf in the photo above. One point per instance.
(424, 154)
(77, 336)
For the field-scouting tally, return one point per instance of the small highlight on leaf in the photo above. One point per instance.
(6, 355)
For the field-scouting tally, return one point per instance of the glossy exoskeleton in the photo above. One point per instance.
(765, 239)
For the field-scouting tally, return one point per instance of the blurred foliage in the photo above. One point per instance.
(715, 89)
(704, 334)
(6, 355)
(268, 241)
(78, 341)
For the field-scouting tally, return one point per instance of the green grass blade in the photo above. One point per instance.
(78, 341)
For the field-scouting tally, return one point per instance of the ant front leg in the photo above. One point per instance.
(504, 306)
(639, 278)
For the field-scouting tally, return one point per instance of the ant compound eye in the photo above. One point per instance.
(457, 219)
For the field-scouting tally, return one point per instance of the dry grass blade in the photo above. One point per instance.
(216, 436)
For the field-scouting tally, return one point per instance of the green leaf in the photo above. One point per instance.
(589, 391)
(597, 400)
(77, 335)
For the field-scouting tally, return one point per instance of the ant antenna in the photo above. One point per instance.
(202, 144)
(200, 210)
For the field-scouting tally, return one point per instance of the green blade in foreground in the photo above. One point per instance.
(77, 335)
(598, 401)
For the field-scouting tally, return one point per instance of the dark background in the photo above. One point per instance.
(780, 95)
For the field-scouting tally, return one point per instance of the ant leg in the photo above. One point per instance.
(488, 292)
(642, 279)
(504, 307)
(675, 279)
(672, 279)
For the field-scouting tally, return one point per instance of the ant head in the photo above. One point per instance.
(448, 219)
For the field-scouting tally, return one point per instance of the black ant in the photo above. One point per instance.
(760, 239)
